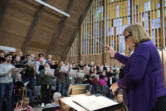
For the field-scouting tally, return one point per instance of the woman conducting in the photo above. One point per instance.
(143, 77)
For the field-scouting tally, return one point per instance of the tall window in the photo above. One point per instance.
(92, 29)
(147, 13)
(74, 48)
(117, 18)
(106, 20)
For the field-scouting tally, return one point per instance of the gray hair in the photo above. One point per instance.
(56, 95)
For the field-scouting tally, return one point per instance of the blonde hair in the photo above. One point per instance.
(138, 33)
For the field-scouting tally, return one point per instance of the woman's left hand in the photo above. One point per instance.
(114, 87)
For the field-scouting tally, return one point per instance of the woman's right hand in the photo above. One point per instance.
(109, 50)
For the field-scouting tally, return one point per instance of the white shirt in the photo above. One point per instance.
(5, 76)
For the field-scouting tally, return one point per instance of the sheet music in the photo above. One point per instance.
(69, 101)
(31, 63)
(62, 69)
(93, 102)
(80, 74)
(16, 70)
(73, 72)
(50, 71)
(26, 83)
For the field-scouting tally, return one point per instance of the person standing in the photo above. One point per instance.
(143, 76)
(6, 82)
(46, 81)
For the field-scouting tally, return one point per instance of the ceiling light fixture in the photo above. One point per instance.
(53, 8)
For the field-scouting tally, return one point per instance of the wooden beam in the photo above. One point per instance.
(131, 11)
(105, 29)
(82, 17)
(28, 38)
(79, 46)
(59, 29)
(162, 35)
(3, 8)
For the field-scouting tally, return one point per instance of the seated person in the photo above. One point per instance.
(120, 99)
(24, 105)
(55, 102)
(119, 96)
(65, 107)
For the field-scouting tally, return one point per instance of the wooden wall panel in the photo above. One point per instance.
(21, 9)
(9, 39)
(37, 50)
(163, 58)
(14, 25)
(60, 4)
(42, 35)
(48, 22)
(71, 59)
(66, 34)
(39, 45)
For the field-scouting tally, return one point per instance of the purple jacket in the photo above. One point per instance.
(102, 82)
(143, 79)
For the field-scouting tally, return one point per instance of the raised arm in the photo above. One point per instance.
(5, 73)
(137, 70)
(121, 58)
(138, 63)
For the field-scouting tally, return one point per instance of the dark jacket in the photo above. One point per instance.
(45, 79)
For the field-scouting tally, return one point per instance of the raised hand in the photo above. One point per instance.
(114, 87)
(109, 50)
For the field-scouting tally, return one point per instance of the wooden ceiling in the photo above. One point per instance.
(29, 26)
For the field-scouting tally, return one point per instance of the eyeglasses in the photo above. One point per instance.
(127, 36)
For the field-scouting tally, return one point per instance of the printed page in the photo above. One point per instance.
(93, 102)
(50, 71)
